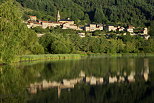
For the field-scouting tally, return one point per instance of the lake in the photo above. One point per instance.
(88, 80)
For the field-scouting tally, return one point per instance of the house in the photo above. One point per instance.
(46, 24)
(33, 18)
(111, 28)
(120, 28)
(71, 26)
(130, 29)
(67, 21)
(145, 31)
(33, 24)
(114, 28)
(99, 27)
(56, 24)
(93, 27)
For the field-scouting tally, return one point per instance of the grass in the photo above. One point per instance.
(48, 57)
(29, 58)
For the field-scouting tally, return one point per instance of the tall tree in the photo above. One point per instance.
(15, 37)
(99, 16)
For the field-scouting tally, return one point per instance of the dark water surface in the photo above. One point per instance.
(88, 80)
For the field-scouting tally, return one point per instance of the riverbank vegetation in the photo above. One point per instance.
(47, 57)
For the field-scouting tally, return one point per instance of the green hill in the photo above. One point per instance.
(135, 12)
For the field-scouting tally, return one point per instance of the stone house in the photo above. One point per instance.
(46, 24)
(33, 24)
(70, 26)
(93, 27)
(120, 28)
(145, 31)
(67, 21)
(130, 29)
(33, 18)
(111, 28)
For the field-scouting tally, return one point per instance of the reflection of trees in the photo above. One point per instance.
(12, 85)
(15, 79)
(95, 66)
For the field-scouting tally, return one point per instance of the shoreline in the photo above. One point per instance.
(43, 57)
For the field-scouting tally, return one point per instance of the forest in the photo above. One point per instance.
(135, 12)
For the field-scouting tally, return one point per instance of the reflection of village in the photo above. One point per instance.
(91, 80)
(70, 24)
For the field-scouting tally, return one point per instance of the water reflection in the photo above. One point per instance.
(70, 83)
(88, 78)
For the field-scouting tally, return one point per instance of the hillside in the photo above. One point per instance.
(136, 12)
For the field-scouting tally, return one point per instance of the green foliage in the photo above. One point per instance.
(137, 12)
(99, 16)
(151, 32)
(98, 32)
(12, 85)
(56, 43)
(15, 37)
(40, 30)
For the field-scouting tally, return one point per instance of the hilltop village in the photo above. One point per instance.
(33, 22)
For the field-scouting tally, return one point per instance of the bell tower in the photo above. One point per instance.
(58, 16)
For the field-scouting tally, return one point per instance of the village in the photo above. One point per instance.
(33, 22)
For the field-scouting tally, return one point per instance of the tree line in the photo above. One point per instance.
(56, 41)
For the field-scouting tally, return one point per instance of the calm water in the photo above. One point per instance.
(88, 80)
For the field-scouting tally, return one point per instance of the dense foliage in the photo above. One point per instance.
(151, 31)
(15, 37)
(64, 42)
(100, 11)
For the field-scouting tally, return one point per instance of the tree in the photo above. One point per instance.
(151, 32)
(131, 47)
(15, 37)
(56, 43)
(99, 16)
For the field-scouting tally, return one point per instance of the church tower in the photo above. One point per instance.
(58, 16)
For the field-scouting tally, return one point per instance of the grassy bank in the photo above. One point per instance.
(28, 58)
(75, 56)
